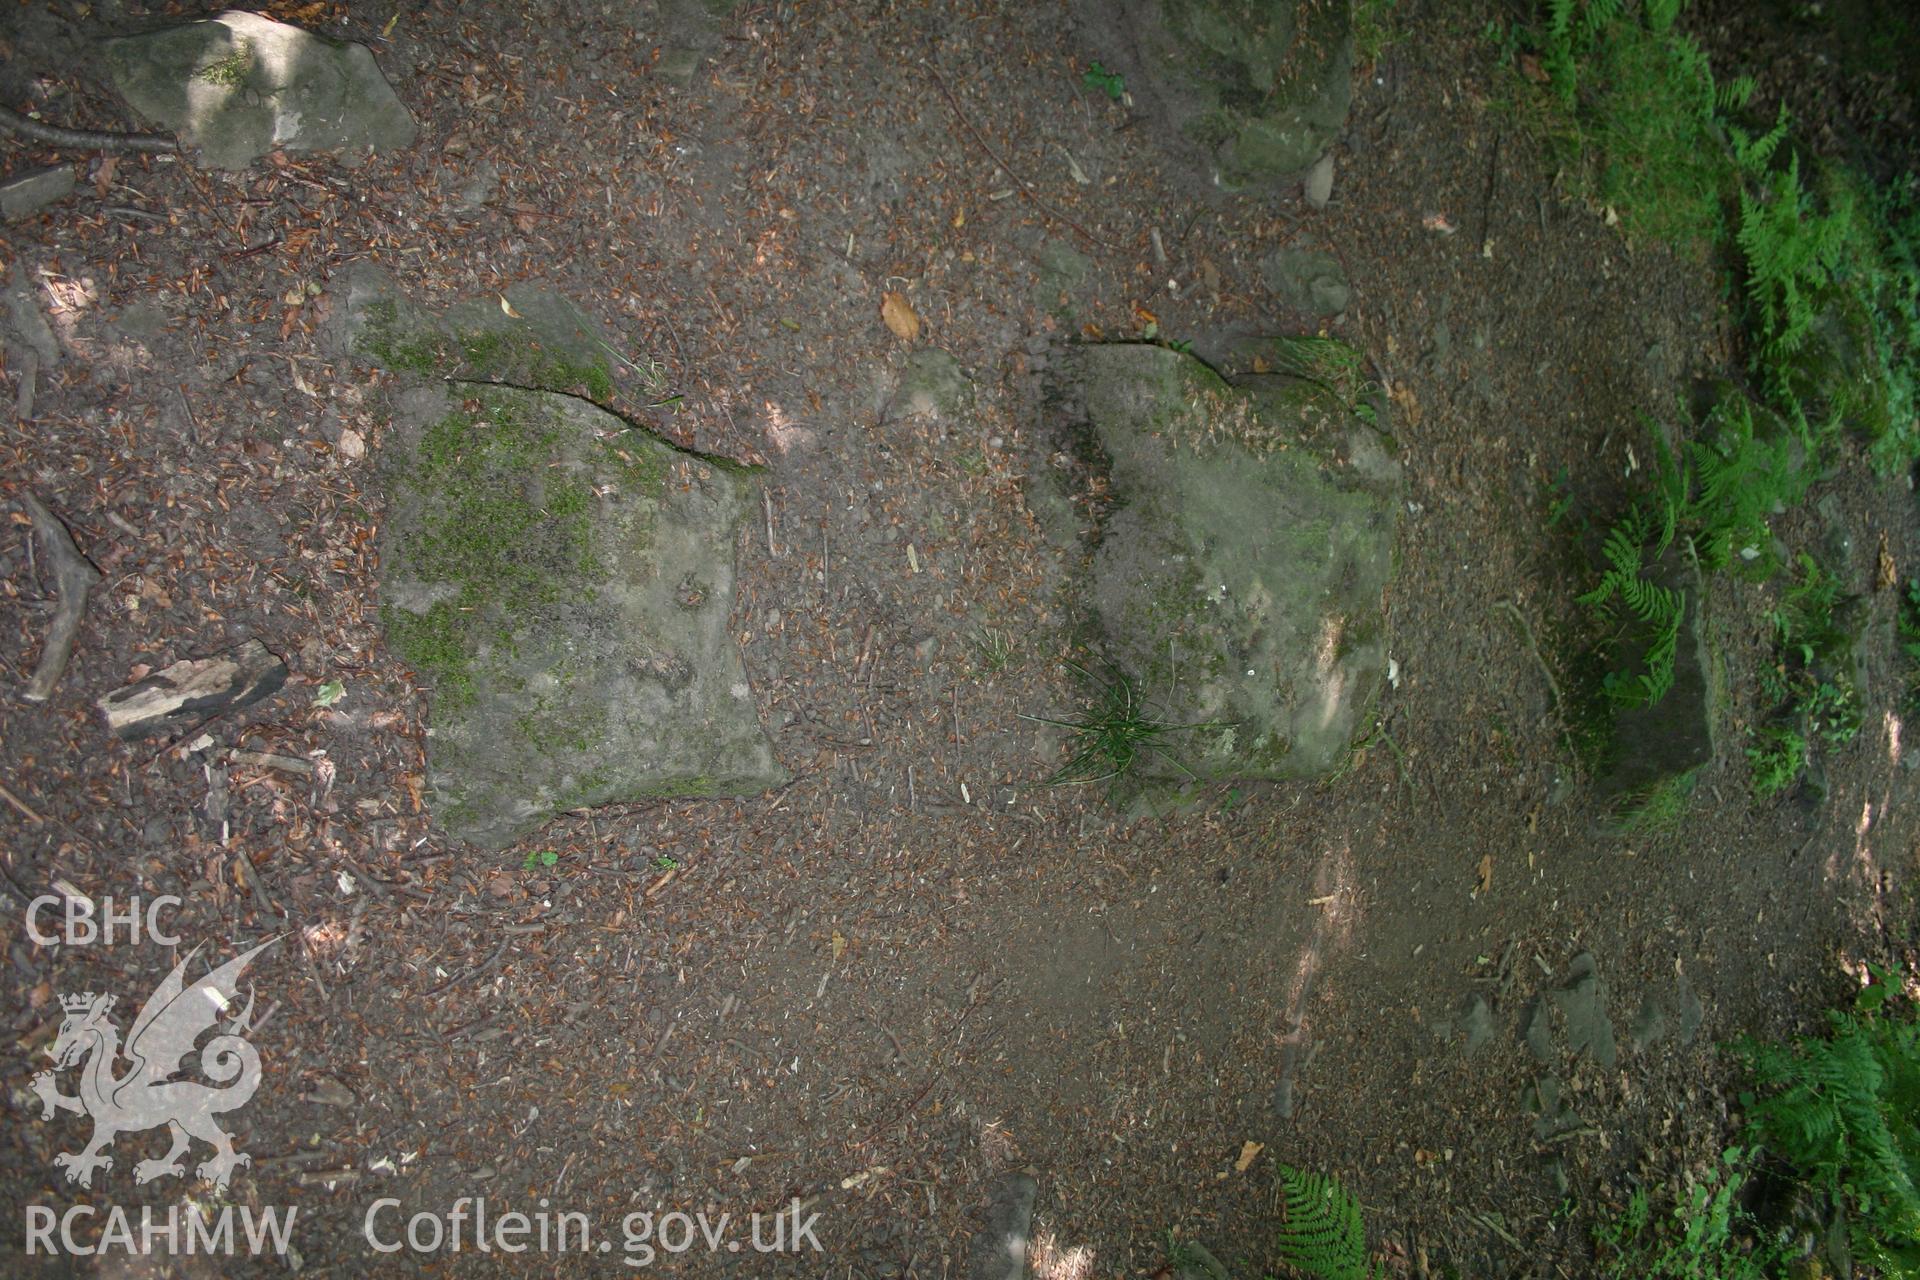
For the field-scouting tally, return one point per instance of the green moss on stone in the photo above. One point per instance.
(562, 723)
(388, 341)
(515, 355)
(697, 787)
(507, 529)
(434, 644)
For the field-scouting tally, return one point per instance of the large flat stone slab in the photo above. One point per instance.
(1238, 582)
(238, 86)
(1252, 93)
(561, 582)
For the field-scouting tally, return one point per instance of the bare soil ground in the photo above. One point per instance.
(915, 967)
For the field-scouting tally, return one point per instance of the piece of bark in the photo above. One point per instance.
(267, 760)
(73, 580)
(189, 692)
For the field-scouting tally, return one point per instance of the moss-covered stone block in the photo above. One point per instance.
(1238, 580)
(1255, 90)
(539, 340)
(561, 583)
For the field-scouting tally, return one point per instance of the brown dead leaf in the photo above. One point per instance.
(1485, 873)
(839, 944)
(1885, 572)
(103, 176)
(1530, 68)
(1249, 1152)
(1406, 402)
(899, 316)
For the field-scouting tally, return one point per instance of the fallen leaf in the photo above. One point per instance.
(352, 444)
(1885, 572)
(1485, 874)
(1409, 405)
(103, 176)
(507, 307)
(899, 316)
(1249, 1152)
(1438, 222)
(839, 944)
(1530, 68)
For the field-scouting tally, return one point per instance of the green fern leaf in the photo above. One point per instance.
(1321, 1233)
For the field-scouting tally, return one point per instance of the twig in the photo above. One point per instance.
(21, 805)
(1559, 702)
(84, 139)
(1486, 202)
(465, 974)
(1020, 183)
(259, 891)
(260, 248)
(74, 578)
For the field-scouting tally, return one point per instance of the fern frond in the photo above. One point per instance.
(1735, 93)
(1841, 1111)
(1321, 1232)
(1661, 14)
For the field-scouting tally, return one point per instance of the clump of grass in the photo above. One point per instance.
(1657, 808)
(1331, 365)
(1642, 102)
(1817, 704)
(1373, 30)
(1117, 733)
(994, 649)
(1776, 755)
(1706, 1233)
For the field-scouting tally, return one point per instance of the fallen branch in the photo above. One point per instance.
(198, 690)
(74, 578)
(1559, 701)
(1024, 187)
(84, 139)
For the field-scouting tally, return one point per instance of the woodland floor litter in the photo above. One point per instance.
(915, 967)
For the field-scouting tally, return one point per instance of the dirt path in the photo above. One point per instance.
(915, 968)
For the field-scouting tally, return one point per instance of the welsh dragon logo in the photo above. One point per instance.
(147, 1095)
